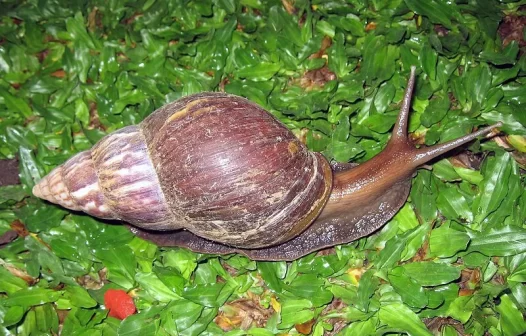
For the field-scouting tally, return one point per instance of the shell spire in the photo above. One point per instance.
(74, 185)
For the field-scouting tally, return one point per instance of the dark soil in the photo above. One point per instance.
(9, 172)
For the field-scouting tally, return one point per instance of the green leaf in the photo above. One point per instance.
(453, 205)
(12, 193)
(43, 261)
(399, 316)
(272, 273)
(46, 318)
(192, 312)
(394, 247)
(429, 273)
(501, 57)
(121, 264)
(378, 59)
(366, 288)
(504, 241)
(362, 328)
(424, 194)
(325, 28)
(517, 266)
(309, 286)
(13, 315)
(462, 308)
(435, 10)
(202, 323)
(81, 111)
(415, 241)
(519, 294)
(209, 295)
(260, 72)
(16, 104)
(446, 241)
(469, 175)
(495, 186)
(279, 20)
(44, 218)
(155, 287)
(337, 59)
(31, 172)
(392, 253)
(295, 312)
(406, 218)
(409, 290)
(380, 123)
(511, 319)
(228, 5)
(33, 296)
(75, 26)
(348, 91)
(384, 97)
(341, 132)
(428, 60)
(435, 111)
(144, 323)
(182, 260)
(29, 323)
(9, 283)
(478, 82)
(79, 297)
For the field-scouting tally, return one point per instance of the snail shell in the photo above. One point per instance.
(215, 164)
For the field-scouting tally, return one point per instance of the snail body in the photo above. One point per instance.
(216, 173)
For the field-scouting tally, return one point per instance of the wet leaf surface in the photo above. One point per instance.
(452, 261)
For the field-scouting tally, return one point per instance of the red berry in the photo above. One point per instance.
(119, 303)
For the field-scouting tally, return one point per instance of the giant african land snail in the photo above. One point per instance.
(216, 173)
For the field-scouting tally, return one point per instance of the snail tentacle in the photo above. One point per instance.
(400, 128)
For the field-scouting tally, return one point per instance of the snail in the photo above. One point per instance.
(216, 173)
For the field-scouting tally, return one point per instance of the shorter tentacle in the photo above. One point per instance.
(400, 128)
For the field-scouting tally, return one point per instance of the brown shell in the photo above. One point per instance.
(212, 163)
(232, 173)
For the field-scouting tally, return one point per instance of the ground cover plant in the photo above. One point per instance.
(451, 262)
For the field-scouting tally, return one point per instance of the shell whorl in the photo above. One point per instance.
(113, 180)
